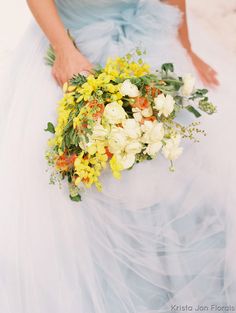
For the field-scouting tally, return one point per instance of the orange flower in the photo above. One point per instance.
(99, 109)
(141, 103)
(108, 153)
(151, 119)
(152, 91)
(64, 162)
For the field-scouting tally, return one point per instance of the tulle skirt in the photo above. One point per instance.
(151, 242)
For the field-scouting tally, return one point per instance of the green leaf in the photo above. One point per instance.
(191, 109)
(199, 93)
(174, 82)
(76, 198)
(63, 145)
(69, 178)
(78, 80)
(50, 128)
(168, 67)
(67, 140)
(50, 56)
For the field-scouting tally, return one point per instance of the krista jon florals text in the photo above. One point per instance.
(202, 308)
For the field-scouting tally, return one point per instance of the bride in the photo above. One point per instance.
(154, 241)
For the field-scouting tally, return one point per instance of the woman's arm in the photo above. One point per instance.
(206, 73)
(69, 60)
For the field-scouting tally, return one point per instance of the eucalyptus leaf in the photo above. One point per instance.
(199, 93)
(168, 67)
(76, 198)
(50, 128)
(191, 109)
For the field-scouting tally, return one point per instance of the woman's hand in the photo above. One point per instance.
(207, 74)
(69, 62)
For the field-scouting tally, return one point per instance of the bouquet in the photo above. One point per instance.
(120, 115)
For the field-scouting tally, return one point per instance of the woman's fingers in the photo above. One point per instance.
(68, 64)
(209, 78)
(207, 74)
(55, 77)
(59, 78)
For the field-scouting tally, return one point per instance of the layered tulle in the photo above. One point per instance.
(150, 241)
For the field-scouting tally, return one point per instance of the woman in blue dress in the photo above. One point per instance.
(154, 241)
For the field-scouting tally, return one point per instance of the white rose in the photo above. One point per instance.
(172, 150)
(114, 113)
(126, 160)
(188, 86)
(131, 128)
(99, 132)
(133, 147)
(129, 89)
(153, 132)
(117, 140)
(153, 148)
(164, 104)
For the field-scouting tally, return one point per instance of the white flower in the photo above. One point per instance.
(172, 150)
(132, 128)
(137, 114)
(117, 140)
(164, 104)
(153, 132)
(147, 112)
(126, 160)
(153, 148)
(188, 86)
(114, 113)
(129, 89)
(99, 132)
(133, 147)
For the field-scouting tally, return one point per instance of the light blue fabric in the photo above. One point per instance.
(110, 27)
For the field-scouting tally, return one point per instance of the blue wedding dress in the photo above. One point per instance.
(149, 243)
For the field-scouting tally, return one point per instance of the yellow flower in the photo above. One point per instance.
(115, 167)
(111, 88)
(88, 167)
(65, 86)
(71, 88)
(103, 78)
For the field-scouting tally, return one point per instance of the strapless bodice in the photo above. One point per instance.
(78, 13)
(103, 28)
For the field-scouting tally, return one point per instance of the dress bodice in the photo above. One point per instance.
(145, 13)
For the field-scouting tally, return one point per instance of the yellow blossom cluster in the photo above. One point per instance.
(66, 106)
(123, 68)
(99, 85)
(119, 68)
(88, 166)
